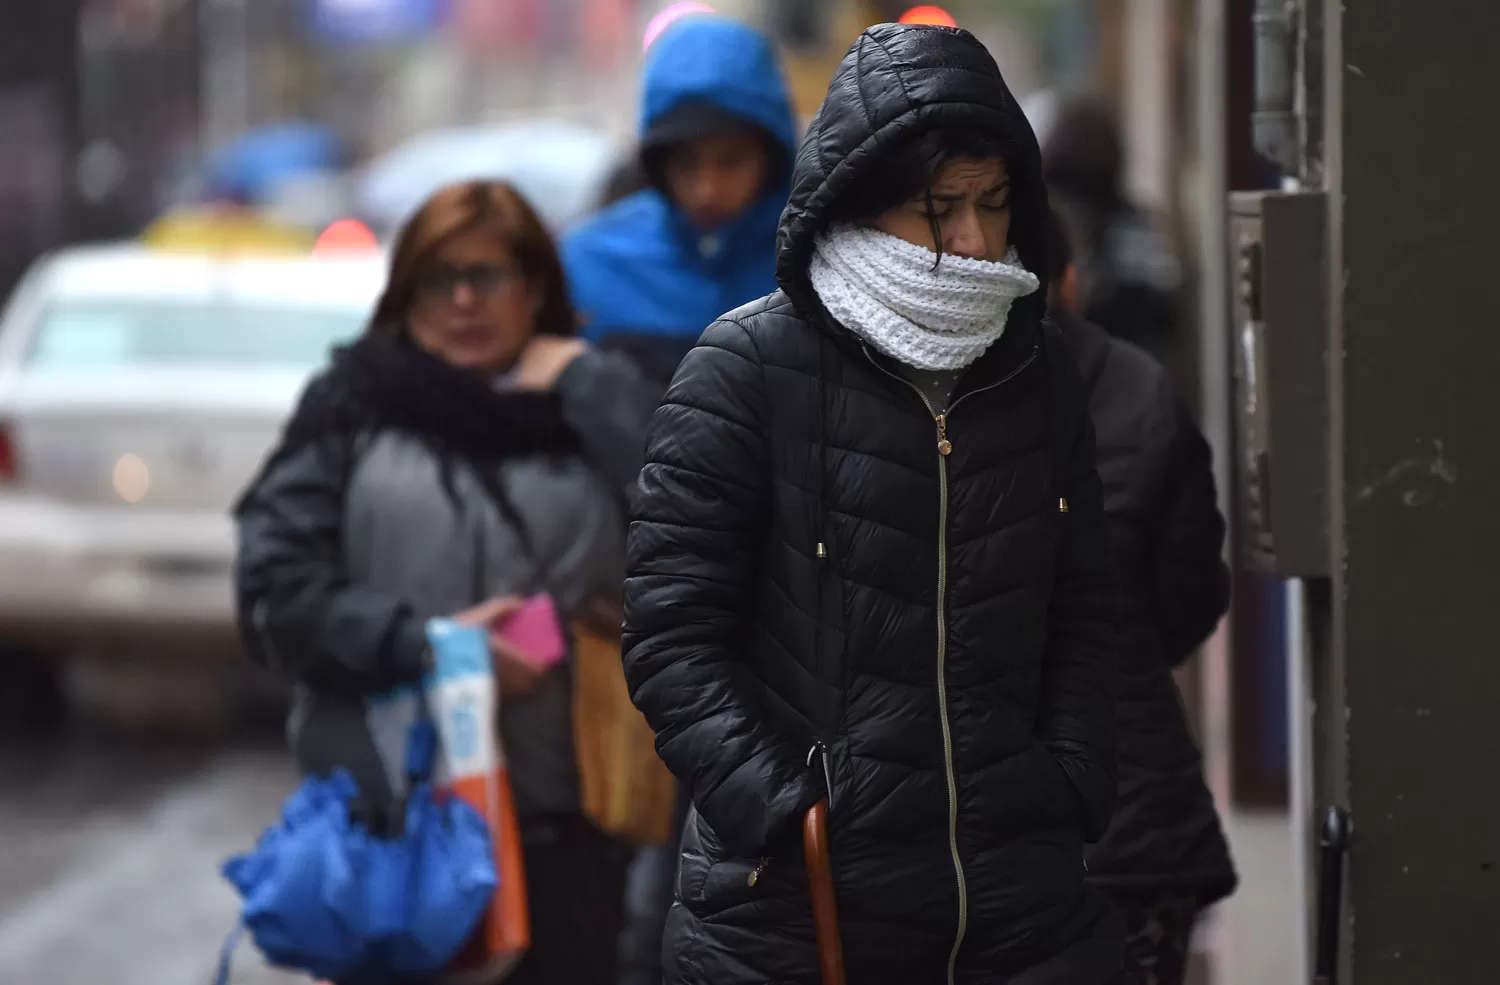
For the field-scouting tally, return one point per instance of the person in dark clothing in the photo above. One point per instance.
(1128, 276)
(1164, 857)
(868, 564)
(465, 453)
(717, 135)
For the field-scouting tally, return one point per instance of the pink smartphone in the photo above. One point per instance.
(536, 631)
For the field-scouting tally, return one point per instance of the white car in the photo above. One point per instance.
(139, 393)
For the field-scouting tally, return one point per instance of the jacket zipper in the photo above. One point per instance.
(944, 449)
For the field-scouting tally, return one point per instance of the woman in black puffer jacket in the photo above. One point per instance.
(1164, 857)
(868, 563)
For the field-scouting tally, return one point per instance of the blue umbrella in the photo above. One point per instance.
(255, 164)
(558, 166)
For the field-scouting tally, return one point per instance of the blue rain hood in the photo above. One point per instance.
(640, 267)
(719, 61)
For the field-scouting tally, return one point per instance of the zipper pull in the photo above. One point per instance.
(945, 446)
(821, 750)
(757, 872)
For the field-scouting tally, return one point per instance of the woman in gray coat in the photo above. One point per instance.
(465, 453)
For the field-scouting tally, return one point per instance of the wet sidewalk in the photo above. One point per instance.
(1251, 939)
(112, 872)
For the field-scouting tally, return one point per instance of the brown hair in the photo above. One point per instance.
(491, 206)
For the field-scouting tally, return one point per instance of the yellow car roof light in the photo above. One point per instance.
(224, 231)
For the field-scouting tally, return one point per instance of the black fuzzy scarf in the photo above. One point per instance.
(383, 382)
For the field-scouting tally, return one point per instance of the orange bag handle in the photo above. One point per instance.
(825, 907)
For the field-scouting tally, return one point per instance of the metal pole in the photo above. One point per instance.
(1331, 752)
(1301, 798)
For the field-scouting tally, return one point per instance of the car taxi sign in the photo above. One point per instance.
(224, 231)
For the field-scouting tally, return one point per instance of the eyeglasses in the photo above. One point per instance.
(484, 280)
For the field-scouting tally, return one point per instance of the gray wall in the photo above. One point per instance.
(1413, 150)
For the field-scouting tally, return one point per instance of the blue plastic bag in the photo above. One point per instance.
(324, 895)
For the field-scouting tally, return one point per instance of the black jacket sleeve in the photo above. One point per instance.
(609, 403)
(1189, 578)
(1077, 714)
(297, 606)
(701, 512)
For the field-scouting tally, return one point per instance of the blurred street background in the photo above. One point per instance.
(119, 115)
(138, 752)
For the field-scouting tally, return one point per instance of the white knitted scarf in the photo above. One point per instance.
(886, 291)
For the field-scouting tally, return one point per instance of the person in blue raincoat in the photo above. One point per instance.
(717, 137)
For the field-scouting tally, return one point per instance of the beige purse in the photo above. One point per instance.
(626, 789)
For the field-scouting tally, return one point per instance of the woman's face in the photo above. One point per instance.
(970, 201)
(471, 307)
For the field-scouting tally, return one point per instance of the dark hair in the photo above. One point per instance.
(1084, 156)
(908, 171)
(490, 206)
(1083, 163)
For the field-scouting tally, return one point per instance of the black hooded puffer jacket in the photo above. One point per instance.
(821, 603)
(1168, 536)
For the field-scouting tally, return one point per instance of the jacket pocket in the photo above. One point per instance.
(711, 880)
(737, 881)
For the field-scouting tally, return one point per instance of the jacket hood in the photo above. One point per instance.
(640, 267)
(721, 62)
(897, 82)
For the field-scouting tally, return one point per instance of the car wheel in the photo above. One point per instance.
(32, 694)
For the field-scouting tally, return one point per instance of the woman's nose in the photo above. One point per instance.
(965, 235)
(464, 295)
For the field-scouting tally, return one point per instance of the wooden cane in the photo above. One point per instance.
(825, 906)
